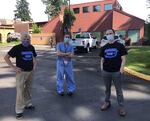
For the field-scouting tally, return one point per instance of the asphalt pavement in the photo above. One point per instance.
(85, 104)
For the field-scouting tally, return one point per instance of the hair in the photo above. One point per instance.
(67, 33)
(112, 30)
(25, 36)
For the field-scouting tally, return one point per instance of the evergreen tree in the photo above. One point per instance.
(22, 10)
(69, 19)
(53, 7)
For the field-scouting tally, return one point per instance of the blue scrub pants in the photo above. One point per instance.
(65, 72)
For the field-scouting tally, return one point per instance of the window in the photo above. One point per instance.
(85, 9)
(78, 36)
(121, 32)
(108, 7)
(96, 8)
(85, 35)
(76, 10)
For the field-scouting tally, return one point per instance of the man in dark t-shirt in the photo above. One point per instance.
(112, 65)
(25, 64)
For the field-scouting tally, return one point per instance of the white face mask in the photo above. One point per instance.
(110, 37)
(66, 40)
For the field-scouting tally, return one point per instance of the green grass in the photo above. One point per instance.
(9, 44)
(138, 59)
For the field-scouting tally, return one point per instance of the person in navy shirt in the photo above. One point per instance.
(112, 64)
(25, 64)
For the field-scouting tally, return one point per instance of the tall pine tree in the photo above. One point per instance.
(22, 10)
(53, 7)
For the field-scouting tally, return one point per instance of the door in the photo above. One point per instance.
(134, 35)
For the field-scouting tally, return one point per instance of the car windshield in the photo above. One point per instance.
(83, 35)
(78, 36)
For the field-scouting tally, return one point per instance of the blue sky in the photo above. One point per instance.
(134, 7)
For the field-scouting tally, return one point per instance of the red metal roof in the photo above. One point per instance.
(125, 21)
(93, 21)
(97, 21)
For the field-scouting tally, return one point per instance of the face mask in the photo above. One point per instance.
(25, 43)
(66, 40)
(110, 37)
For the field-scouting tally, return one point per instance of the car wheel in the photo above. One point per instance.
(87, 49)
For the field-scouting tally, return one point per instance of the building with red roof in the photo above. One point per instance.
(99, 16)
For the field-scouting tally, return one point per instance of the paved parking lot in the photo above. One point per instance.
(85, 104)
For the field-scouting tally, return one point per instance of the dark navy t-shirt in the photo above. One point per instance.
(112, 56)
(24, 56)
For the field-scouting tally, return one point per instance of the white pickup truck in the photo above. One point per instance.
(84, 41)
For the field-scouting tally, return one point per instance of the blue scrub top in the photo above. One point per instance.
(65, 49)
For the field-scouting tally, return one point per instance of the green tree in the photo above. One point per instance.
(69, 18)
(22, 10)
(53, 7)
(36, 28)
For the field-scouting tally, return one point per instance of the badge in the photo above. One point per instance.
(65, 62)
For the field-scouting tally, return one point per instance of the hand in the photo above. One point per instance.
(121, 71)
(68, 54)
(17, 69)
(34, 68)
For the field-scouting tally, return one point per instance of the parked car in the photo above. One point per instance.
(118, 38)
(85, 41)
(11, 37)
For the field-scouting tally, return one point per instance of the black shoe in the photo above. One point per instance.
(61, 94)
(31, 107)
(70, 94)
(19, 116)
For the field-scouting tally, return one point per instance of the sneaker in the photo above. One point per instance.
(19, 116)
(61, 94)
(122, 112)
(105, 106)
(70, 94)
(31, 107)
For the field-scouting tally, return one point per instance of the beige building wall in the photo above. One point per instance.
(21, 27)
(4, 32)
(43, 39)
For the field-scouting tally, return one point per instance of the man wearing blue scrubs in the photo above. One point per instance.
(65, 53)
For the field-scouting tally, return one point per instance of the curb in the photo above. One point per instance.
(137, 74)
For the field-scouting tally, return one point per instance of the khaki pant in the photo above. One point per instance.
(23, 88)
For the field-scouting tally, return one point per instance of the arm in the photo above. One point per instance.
(8, 61)
(70, 54)
(102, 61)
(59, 53)
(123, 58)
(34, 63)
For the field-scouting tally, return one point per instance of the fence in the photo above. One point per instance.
(43, 39)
